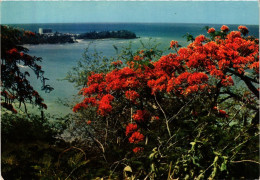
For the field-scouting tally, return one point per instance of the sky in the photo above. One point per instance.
(210, 12)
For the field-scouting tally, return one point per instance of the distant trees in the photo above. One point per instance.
(46, 39)
(15, 87)
(59, 38)
(122, 34)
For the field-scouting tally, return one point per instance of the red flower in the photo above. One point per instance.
(78, 106)
(117, 63)
(130, 128)
(224, 28)
(90, 100)
(217, 73)
(155, 118)
(197, 78)
(223, 63)
(211, 30)
(222, 113)
(95, 78)
(138, 149)
(228, 81)
(88, 122)
(12, 51)
(136, 137)
(137, 58)
(91, 89)
(174, 44)
(141, 115)
(104, 104)
(233, 34)
(243, 30)
(191, 89)
(200, 38)
(182, 78)
(255, 66)
(131, 95)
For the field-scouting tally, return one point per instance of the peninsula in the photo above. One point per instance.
(122, 34)
(45, 36)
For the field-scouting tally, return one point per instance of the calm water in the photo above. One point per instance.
(58, 59)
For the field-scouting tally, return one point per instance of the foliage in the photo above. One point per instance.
(14, 80)
(96, 62)
(47, 39)
(122, 34)
(26, 142)
(33, 148)
(190, 114)
(181, 116)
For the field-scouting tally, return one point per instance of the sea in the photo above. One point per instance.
(58, 59)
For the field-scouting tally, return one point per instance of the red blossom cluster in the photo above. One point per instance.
(14, 80)
(117, 63)
(138, 149)
(220, 112)
(243, 30)
(227, 81)
(130, 128)
(174, 44)
(136, 137)
(224, 28)
(193, 69)
(211, 30)
(138, 58)
(141, 52)
(198, 40)
(183, 73)
(104, 106)
(131, 95)
(12, 51)
(141, 116)
(255, 67)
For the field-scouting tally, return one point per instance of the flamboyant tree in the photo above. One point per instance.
(189, 95)
(15, 86)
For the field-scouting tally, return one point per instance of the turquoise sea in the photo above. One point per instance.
(58, 59)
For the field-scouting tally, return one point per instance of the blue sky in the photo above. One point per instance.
(213, 12)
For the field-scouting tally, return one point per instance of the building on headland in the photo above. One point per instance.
(44, 31)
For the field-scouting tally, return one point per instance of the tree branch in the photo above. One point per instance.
(245, 161)
(248, 81)
(166, 120)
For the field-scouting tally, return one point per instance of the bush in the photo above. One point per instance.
(180, 116)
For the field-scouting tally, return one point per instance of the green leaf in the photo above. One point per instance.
(152, 167)
(194, 161)
(223, 166)
(128, 169)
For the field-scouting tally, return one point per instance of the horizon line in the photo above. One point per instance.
(124, 23)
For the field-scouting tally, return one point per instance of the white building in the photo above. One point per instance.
(45, 31)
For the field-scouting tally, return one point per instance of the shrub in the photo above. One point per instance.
(190, 119)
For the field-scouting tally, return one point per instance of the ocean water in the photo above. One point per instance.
(58, 59)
